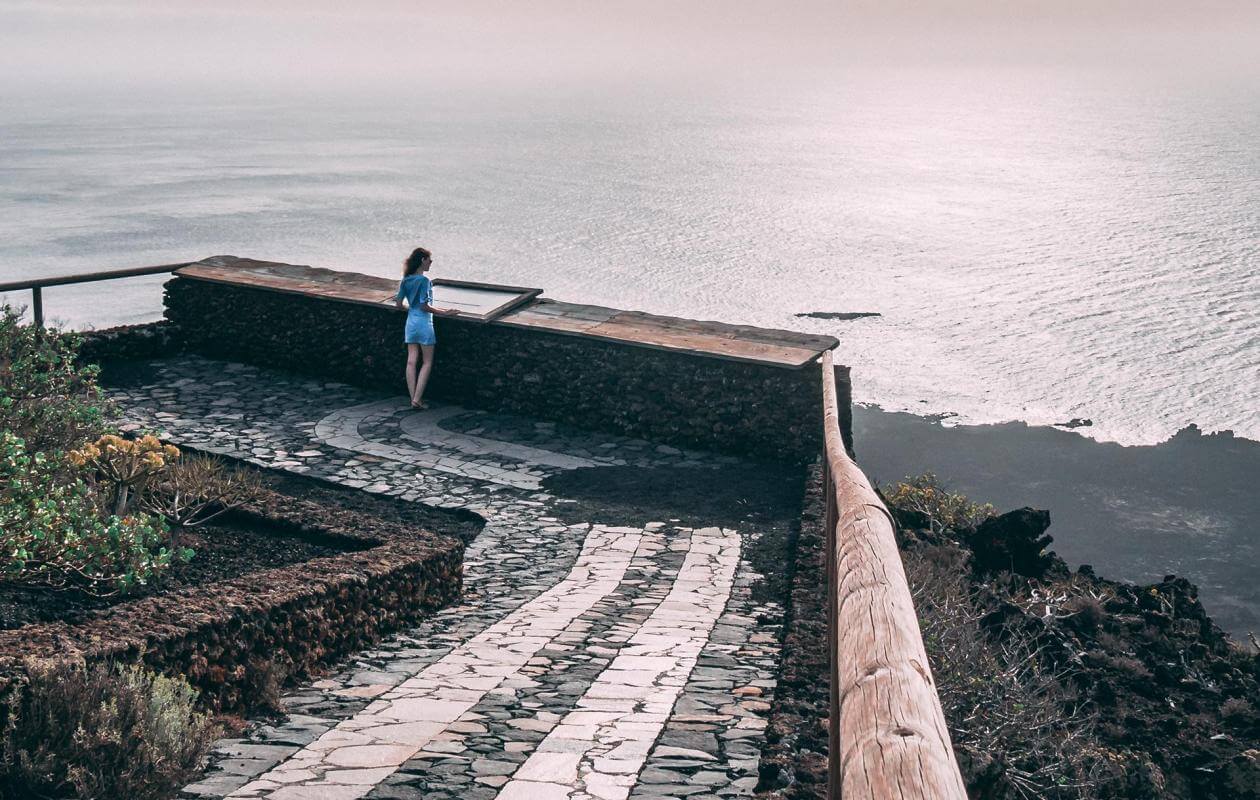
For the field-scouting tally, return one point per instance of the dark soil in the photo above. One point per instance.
(238, 544)
(223, 551)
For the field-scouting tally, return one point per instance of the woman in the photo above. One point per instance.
(417, 290)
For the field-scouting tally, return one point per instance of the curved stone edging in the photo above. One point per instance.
(446, 450)
(300, 616)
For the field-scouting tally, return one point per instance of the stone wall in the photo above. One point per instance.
(756, 410)
(227, 637)
(129, 343)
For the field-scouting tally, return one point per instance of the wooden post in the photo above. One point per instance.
(37, 306)
(888, 736)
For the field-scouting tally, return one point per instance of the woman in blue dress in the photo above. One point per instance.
(417, 290)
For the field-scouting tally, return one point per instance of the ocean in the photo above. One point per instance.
(1039, 246)
(1036, 251)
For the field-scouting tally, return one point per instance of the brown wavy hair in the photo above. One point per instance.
(415, 259)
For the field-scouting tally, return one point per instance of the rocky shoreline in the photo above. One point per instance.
(1055, 683)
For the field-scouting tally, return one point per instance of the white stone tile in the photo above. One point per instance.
(531, 790)
(550, 767)
(499, 651)
(417, 733)
(372, 755)
(358, 777)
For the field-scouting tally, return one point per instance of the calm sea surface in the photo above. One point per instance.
(1038, 248)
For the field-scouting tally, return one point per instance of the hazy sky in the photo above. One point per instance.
(321, 44)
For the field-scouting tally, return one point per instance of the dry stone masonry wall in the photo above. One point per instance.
(685, 399)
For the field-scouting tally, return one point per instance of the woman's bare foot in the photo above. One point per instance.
(419, 405)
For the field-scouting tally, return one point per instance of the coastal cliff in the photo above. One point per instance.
(1055, 683)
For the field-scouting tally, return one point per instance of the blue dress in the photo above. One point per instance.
(417, 290)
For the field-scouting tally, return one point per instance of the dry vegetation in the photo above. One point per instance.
(103, 732)
(1059, 684)
(1009, 715)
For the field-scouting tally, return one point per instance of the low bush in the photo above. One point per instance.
(47, 398)
(120, 467)
(54, 529)
(80, 510)
(195, 489)
(54, 534)
(923, 500)
(103, 732)
(145, 475)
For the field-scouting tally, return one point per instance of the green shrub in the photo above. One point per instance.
(924, 496)
(47, 398)
(145, 475)
(54, 534)
(54, 529)
(102, 732)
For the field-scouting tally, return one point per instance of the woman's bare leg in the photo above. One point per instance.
(422, 379)
(413, 363)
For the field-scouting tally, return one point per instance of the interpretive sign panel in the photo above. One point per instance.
(483, 301)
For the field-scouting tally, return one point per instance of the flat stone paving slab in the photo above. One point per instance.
(587, 659)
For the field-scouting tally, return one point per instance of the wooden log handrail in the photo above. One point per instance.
(37, 285)
(888, 739)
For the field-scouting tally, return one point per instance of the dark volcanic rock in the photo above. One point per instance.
(1173, 706)
(794, 761)
(1015, 542)
(845, 315)
(1075, 422)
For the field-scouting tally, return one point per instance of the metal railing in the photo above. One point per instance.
(37, 285)
(888, 735)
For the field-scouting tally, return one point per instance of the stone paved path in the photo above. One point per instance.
(586, 660)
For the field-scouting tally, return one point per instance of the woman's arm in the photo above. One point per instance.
(441, 312)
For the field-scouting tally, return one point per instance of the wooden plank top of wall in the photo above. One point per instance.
(714, 339)
(523, 309)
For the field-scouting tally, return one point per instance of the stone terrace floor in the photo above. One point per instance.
(599, 650)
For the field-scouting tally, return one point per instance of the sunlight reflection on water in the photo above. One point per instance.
(1037, 251)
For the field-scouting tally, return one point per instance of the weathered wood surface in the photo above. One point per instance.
(350, 287)
(524, 309)
(718, 339)
(37, 285)
(888, 735)
(89, 277)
